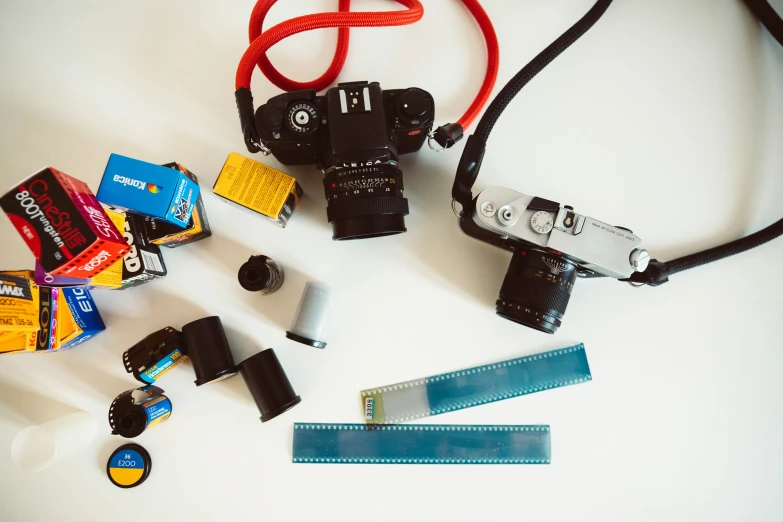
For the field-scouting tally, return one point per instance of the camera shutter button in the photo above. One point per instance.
(303, 117)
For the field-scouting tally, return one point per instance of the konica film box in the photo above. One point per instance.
(258, 187)
(63, 224)
(147, 189)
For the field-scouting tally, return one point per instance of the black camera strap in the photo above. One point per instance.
(657, 272)
(470, 162)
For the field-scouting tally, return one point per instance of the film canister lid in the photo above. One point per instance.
(129, 466)
(268, 384)
(208, 349)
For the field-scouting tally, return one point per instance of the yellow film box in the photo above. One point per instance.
(112, 276)
(258, 187)
(17, 341)
(18, 302)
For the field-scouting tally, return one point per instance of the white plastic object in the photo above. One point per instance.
(37, 447)
(313, 315)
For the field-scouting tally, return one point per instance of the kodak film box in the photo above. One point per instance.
(258, 187)
(147, 189)
(18, 304)
(63, 224)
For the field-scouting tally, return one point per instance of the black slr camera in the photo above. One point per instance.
(354, 134)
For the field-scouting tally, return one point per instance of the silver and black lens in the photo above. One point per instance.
(536, 289)
(365, 201)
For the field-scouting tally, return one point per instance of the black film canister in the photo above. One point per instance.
(261, 274)
(268, 384)
(134, 411)
(154, 355)
(208, 350)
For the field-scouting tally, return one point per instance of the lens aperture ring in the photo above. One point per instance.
(364, 182)
(523, 313)
(536, 289)
(350, 208)
(548, 292)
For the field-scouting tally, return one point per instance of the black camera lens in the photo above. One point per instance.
(365, 201)
(536, 290)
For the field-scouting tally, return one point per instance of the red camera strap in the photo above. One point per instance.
(261, 41)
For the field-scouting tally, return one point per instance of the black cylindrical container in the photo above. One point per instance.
(261, 274)
(136, 410)
(208, 350)
(268, 384)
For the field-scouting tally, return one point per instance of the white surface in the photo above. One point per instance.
(667, 118)
(37, 447)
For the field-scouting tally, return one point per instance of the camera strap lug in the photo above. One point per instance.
(446, 136)
(656, 274)
(430, 139)
(460, 213)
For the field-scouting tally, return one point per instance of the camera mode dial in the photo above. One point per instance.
(542, 222)
(303, 117)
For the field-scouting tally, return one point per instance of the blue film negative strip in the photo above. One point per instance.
(421, 444)
(474, 386)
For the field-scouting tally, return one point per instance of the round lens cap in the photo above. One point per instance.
(129, 466)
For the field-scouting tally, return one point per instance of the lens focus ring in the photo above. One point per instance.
(367, 207)
(365, 201)
(536, 289)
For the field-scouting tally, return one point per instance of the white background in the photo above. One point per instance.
(667, 118)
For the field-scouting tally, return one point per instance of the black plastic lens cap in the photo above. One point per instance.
(129, 466)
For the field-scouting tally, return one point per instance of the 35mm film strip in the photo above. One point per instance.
(421, 444)
(469, 387)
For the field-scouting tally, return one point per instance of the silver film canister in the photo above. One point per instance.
(313, 315)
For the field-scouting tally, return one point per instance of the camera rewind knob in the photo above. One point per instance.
(640, 258)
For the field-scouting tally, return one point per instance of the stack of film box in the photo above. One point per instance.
(70, 235)
(42, 319)
(161, 205)
(82, 241)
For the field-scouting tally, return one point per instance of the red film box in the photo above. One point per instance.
(63, 224)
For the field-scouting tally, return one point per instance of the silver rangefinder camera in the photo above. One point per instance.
(552, 245)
